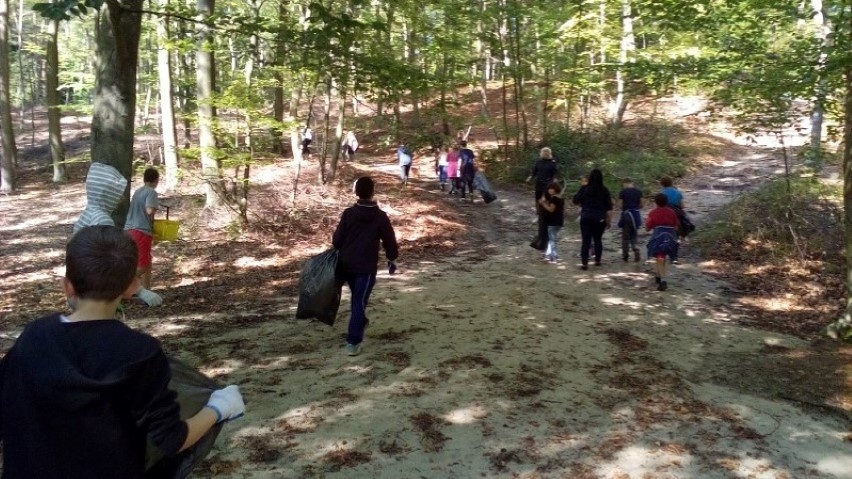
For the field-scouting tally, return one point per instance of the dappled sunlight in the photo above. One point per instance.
(249, 262)
(619, 301)
(467, 415)
(223, 367)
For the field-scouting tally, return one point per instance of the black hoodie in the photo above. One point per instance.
(79, 400)
(357, 238)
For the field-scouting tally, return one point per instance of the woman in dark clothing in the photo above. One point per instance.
(544, 173)
(595, 215)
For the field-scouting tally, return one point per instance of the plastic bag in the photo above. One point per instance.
(320, 288)
(480, 182)
(540, 240)
(193, 391)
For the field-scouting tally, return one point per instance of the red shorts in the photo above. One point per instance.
(143, 245)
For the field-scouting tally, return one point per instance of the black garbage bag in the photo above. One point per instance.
(480, 182)
(193, 391)
(320, 288)
(540, 240)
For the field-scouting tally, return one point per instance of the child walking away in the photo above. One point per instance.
(675, 199)
(554, 218)
(104, 191)
(404, 157)
(468, 169)
(441, 166)
(140, 222)
(307, 138)
(362, 227)
(453, 169)
(662, 222)
(595, 215)
(81, 394)
(350, 146)
(630, 220)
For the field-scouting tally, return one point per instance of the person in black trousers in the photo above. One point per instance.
(595, 215)
(544, 172)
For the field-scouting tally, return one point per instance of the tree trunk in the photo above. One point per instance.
(628, 44)
(54, 114)
(822, 32)
(323, 176)
(843, 326)
(114, 109)
(167, 111)
(338, 135)
(278, 100)
(7, 134)
(211, 168)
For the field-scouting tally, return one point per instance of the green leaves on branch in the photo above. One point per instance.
(65, 9)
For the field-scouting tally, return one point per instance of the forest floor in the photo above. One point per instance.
(480, 360)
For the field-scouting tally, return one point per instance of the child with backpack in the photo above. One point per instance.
(630, 220)
(663, 223)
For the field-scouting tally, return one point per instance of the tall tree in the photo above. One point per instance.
(211, 168)
(118, 26)
(167, 111)
(7, 134)
(54, 114)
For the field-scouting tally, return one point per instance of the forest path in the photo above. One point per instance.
(495, 364)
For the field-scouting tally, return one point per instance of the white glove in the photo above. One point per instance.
(149, 297)
(227, 403)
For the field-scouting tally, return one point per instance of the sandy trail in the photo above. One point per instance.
(494, 364)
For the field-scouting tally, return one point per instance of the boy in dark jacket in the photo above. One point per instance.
(357, 237)
(80, 394)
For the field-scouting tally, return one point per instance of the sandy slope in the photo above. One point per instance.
(495, 364)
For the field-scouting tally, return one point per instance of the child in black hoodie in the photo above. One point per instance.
(80, 394)
(357, 237)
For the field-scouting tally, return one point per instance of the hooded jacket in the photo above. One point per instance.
(357, 237)
(105, 188)
(80, 400)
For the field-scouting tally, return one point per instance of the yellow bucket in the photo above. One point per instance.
(166, 230)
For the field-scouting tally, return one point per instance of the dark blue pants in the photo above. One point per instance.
(360, 285)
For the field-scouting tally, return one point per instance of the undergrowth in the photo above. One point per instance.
(643, 152)
(785, 251)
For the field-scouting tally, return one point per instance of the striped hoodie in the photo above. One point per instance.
(105, 188)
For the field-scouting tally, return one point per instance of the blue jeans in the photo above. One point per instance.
(552, 238)
(360, 285)
(442, 173)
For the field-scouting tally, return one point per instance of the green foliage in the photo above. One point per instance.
(643, 154)
(804, 223)
(65, 9)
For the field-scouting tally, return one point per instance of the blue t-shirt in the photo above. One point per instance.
(631, 198)
(674, 196)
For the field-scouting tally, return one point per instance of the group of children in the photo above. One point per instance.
(667, 222)
(456, 165)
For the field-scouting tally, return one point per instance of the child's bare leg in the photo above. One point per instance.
(144, 275)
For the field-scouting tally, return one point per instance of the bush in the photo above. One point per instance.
(804, 223)
(643, 154)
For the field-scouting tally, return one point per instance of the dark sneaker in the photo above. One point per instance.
(625, 258)
(657, 279)
(663, 286)
(636, 255)
(585, 267)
